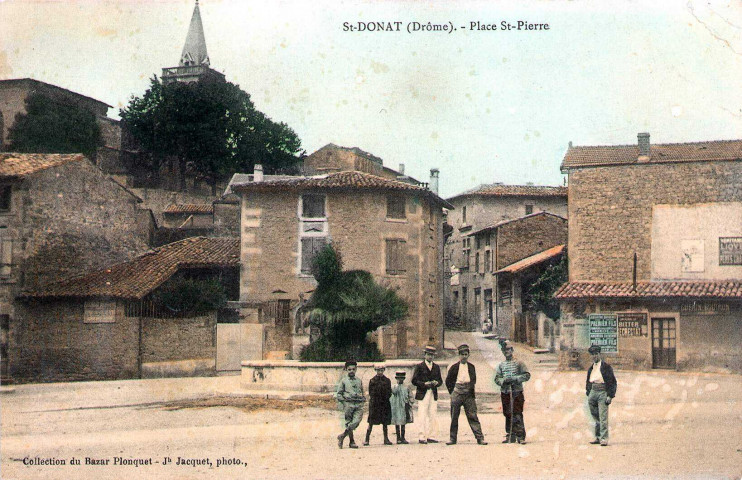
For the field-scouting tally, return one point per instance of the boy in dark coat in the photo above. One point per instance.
(379, 408)
(427, 378)
(460, 382)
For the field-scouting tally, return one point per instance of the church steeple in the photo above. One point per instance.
(194, 61)
(194, 50)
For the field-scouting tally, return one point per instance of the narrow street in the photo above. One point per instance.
(663, 425)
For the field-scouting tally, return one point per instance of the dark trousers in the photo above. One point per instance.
(514, 426)
(470, 409)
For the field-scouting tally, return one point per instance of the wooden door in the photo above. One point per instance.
(663, 342)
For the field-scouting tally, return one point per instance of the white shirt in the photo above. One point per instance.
(429, 365)
(463, 376)
(595, 375)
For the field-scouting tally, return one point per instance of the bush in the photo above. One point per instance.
(190, 296)
(346, 307)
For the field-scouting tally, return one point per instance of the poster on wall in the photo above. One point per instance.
(604, 331)
(632, 324)
(692, 256)
(730, 251)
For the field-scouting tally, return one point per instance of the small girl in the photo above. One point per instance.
(401, 401)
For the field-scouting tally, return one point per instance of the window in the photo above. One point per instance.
(309, 248)
(395, 257)
(487, 240)
(479, 242)
(466, 251)
(395, 207)
(463, 214)
(464, 302)
(5, 193)
(313, 206)
(487, 260)
(529, 209)
(476, 262)
(100, 311)
(6, 253)
(504, 291)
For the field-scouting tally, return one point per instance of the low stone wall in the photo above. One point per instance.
(320, 377)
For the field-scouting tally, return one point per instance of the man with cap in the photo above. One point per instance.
(460, 381)
(600, 389)
(510, 376)
(379, 408)
(427, 378)
(349, 394)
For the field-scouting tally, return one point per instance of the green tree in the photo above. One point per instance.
(189, 296)
(543, 289)
(49, 126)
(347, 306)
(213, 127)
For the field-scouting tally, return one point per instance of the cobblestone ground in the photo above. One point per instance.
(663, 425)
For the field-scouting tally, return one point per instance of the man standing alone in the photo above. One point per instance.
(427, 378)
(510, 376)
(460, 381)
(600, 390)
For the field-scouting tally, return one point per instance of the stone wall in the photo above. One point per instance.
(336, 159)
(158, 199)
(72, 219)
(172, 339)
(51, 343)
(526, 237)
(358, 226)
(610, 211)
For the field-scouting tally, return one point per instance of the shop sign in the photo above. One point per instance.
(632, 324)
(604, 331)
(730, 251)
(705, 308)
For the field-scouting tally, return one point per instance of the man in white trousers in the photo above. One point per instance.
(427, 378)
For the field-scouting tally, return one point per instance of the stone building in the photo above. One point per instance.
(390, 228)
(117, 149)
(655, 270)
(109, 323)
(485, 207)
(503, 261)
(60, 216)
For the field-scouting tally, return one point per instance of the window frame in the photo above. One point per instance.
(393, 201)
(395, 256)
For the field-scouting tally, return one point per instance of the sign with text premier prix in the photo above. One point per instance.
(604, 331)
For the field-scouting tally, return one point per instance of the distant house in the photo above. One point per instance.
(60, 216)
(655, 254)
(110, 323)
(504, 261)
(484, 207)
(390, 228)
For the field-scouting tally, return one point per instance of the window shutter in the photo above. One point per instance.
(7, 256)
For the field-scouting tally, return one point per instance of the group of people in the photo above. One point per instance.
(392, 405)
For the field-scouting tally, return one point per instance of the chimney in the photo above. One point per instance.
(434, 180)
(643, 145)
(257, 175)
(401, 168)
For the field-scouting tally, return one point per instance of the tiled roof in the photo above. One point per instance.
(593, 156)
(348, 180)
(138, 277)
(21, 164)
(190, 208)
(528, 262)
(498, 190)
(511, 220)
(694, 289)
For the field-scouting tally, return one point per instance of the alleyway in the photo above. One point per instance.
(664, 424)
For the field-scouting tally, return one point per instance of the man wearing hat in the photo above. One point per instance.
(379, 408)
(427, 378)
(600, 389)
(460, 381)
(510, 376)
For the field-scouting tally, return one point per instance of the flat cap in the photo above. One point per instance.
(463, 348)
(594, 349)
(430, 349)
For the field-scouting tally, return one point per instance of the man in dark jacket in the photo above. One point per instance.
(460, 381)
(600, 389)
(379, 408)
(427, 378)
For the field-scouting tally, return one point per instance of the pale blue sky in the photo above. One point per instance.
(481, 106)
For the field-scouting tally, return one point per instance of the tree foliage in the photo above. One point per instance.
(191, 296)
(543, 289)
(49, 126)
(346, 306)
(213, 127)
